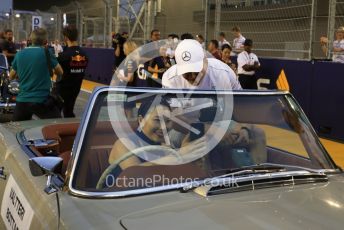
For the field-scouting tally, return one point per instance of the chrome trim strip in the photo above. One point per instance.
(204, 190)
(207, 92)
(290, 98)
(86, 119)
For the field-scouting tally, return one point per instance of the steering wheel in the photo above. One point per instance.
(135, 152)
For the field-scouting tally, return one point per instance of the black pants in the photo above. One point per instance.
(248, 81)
(24, 111)
(69, 95)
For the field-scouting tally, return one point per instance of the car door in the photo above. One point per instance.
(24, 204)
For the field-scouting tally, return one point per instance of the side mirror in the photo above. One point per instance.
(49, 166)
(40, 166)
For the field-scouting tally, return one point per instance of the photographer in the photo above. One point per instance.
(31, 67)
(117, 43)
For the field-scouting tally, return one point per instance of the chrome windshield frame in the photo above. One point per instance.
(85, 121)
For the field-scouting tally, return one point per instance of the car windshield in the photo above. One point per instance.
(141, 139)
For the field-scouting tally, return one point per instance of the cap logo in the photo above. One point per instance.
(186, 56)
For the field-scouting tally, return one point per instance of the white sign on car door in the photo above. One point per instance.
(16, 211)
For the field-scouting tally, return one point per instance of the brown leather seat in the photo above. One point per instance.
(63, 133)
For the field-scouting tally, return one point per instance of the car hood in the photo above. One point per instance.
(313, 206)
(308, 206)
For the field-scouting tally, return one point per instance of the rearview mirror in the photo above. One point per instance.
(40, 166)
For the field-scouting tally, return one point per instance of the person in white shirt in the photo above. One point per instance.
(238, 42)
(57, 48)
(194, 70)
(338, 46)
(248, 63)
(222, 40)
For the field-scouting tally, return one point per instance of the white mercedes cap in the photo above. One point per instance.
(189, 57)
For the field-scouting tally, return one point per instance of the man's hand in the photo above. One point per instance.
(243, 137)
(13, 74)
(323, 40)
(193, 149)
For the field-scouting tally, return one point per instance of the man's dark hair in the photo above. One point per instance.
(215, 43)
(200, 36)
(222, 34)
(236, 29)
(153, 31)
(8, 30)
(248, 42)
(186, 36)
(71, 33)
(173, 36)
(226, 46)
(150, 103)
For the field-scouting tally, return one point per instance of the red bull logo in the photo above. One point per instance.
(78, 58)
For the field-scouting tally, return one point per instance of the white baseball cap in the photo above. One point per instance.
(189, 57)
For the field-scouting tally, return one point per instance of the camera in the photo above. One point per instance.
(118, 39)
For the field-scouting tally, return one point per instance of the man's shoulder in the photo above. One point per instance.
(254, 55)
(226, 42)
(218, 67)
(169, 78)
(217, 64)
(29, 51)
(171, 73)
(241, 54)
(81, 50)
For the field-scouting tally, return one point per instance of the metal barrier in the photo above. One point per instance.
(280, 28)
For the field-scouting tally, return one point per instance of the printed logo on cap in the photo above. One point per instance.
(186, 56)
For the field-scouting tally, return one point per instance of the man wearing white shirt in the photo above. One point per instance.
(248, 63)
(222, 40)
(194, 70)
(57, 48)
(238, 42)
(338, 46)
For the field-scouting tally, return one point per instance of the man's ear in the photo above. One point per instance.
(140, 120)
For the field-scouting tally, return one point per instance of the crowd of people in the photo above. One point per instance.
(176, 62)
(47, 73)
(141, 70)
(337, 46)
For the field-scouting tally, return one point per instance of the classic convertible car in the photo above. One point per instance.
(171, 159)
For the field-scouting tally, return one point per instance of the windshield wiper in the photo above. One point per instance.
(258, 168)
(250, 170)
